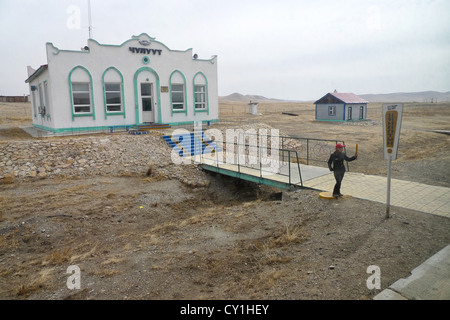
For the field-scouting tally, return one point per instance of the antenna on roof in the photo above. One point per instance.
(90, 20)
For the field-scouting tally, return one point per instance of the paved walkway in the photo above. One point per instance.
(406, 194)
(429, 281)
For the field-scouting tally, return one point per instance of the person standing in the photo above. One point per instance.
(336, 164)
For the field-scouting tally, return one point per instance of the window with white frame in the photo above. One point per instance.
(81, 97)
(332, 110)
(113, 96)
(200, 97)
(177, 96)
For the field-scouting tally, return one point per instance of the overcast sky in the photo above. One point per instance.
(286, 49)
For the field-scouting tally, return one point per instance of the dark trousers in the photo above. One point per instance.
(338, 175)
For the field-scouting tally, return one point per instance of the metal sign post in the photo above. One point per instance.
(392, 120)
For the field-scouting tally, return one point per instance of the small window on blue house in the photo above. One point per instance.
(332, 110)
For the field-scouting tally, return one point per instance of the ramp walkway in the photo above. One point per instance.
(286, 176)
(248, 158)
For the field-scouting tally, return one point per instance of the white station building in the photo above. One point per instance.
(140, 81)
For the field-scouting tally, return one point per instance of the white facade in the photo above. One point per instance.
(139, 81)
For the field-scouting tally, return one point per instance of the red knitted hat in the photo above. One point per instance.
(340, 146)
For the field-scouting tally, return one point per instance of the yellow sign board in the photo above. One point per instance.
(392, 119)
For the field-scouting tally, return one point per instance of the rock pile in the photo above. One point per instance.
(118, 154)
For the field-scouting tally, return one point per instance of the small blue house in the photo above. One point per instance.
(337, 106)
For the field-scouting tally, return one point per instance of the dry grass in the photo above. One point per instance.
(12, 116)
(49, 200)
(15, 113)
(88, 250)
(58, 256)
(232, 109)
(8, 179)
(103, 271)
(112, 261)
(35, 282)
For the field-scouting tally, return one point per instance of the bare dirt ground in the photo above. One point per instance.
(137, 237)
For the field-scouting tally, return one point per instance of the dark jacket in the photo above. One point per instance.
(336, 161)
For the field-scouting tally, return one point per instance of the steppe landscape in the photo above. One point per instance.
(178, 232)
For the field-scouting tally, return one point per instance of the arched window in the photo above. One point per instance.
(113, 97)
(201, 101)
(178, 96)
(81, 93)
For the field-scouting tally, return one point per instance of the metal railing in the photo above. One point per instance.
(254, 160)
(311, 150)
(285, 159)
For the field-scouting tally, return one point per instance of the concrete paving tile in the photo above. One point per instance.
(429, 281)
(389, 294)
(434, 206)
(442, 212)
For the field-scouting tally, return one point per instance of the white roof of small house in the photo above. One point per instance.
(344, 97)
(349, 97)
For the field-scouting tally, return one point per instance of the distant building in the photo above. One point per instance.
(139, 81)
(337, 106)
(23, 98)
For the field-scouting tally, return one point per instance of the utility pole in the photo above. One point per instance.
(90, 20)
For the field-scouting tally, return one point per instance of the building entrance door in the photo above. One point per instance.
(148, 114)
